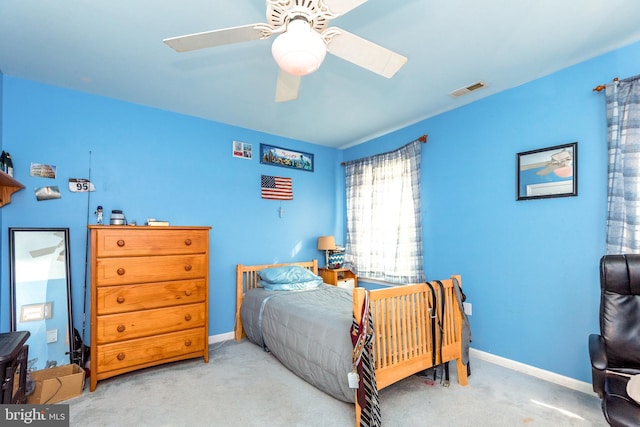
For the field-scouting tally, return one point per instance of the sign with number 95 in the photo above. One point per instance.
(80, 185)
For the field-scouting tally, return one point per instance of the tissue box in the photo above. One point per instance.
(56, 384)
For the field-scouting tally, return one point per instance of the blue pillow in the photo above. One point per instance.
(291, 277)
(291, 286)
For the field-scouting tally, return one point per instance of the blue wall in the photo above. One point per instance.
(152, 163)
(529, 268)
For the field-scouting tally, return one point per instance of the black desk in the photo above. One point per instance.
(13, 366)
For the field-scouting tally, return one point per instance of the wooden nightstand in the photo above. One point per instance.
(332, 276)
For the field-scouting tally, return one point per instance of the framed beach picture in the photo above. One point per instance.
(277, 156)
(547, 172)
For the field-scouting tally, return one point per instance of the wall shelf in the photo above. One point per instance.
(8, 186)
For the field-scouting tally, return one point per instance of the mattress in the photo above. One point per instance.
(308, 331)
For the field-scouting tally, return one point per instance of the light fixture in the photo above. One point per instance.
(326, 244)
(300, 50)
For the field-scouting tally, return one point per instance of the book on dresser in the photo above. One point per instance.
(156, 223)
(149, 297)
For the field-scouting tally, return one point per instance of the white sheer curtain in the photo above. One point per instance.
(384, 221)
(623, 125)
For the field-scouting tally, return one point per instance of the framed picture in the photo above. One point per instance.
(547, 172)
(278, 156)
(241, 150)
(32, 312)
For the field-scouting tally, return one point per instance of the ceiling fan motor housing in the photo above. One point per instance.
(281, 12)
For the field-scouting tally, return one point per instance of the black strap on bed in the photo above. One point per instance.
(441, 325)
(434, 318)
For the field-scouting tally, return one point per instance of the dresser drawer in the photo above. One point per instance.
(137, 324)
(119, 299)
(123, 355)
(119, 271)
(133, 241)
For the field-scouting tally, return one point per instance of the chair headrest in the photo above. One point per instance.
(620, 274)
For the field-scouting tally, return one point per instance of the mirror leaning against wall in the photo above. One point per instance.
(40, 289)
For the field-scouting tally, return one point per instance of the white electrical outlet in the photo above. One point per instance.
(52, 335)
(467, 308)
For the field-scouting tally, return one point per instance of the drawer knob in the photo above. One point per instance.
(187, 343)
(187, 267)
(120, 299)
(120, 356)
(121, 328)
(121, 271)
(187, 242)
(188, 292)
(187, 317)
(121, 243)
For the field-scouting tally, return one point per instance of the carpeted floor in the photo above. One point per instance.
(244, 386)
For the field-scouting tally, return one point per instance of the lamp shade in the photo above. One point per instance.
(326, 243)
(300, 50)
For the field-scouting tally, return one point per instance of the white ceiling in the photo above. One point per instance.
(114, 48)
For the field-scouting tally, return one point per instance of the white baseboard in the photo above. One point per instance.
(552, 377)
(221, 337)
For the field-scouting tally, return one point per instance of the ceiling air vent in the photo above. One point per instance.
(467, 89)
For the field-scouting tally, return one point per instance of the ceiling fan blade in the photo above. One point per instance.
(287, 86)
(42, 252)
(364, 53)
(342, 6)
(547, 170)
(214, 38)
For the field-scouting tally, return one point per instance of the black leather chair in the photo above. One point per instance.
(615, 353)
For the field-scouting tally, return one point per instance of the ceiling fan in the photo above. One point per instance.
(560, 164)
(302, 42)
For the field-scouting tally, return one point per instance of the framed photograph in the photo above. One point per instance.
(241, 150)
(547, 172)
(32, 312)
(277, 156)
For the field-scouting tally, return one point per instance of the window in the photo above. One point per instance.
(384, 223)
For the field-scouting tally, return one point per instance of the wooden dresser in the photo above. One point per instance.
(149, 297)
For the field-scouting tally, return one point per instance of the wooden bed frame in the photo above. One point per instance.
(402, 324)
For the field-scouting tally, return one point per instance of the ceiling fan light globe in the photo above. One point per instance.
(564, 171)
(300, 50)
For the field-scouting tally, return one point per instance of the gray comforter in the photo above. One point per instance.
(308, 331)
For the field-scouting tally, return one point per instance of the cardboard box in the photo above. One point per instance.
(56, 384)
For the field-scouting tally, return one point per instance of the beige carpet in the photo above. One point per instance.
(244, 386)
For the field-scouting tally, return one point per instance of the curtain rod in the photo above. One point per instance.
(600, 88)
(422, 139)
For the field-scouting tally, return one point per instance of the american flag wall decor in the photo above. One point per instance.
(276, 188)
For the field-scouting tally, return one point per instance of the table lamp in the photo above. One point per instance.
(326, 244)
